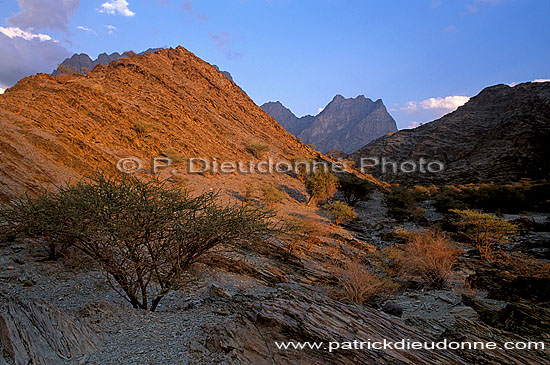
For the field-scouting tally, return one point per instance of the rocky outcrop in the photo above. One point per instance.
(344, 124)
(499, 135)
(36, 332)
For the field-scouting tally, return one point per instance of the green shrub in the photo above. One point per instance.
(402, 204)
(354, 189)
(340, 211)
(485, 230)
(145, 235)
(505, 198)
(321, 185)
(272, 194)
(258, 150)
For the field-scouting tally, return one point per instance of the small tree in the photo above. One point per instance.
(340, 211)
(354, 189)
(145, 235)
(485, 230)
(321, 185)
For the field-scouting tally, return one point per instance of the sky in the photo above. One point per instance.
(423, 58)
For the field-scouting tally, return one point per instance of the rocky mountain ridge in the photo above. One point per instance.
(82, 63)
(499, 135)
(168, 102)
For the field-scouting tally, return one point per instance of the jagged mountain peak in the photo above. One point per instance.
(345, 124)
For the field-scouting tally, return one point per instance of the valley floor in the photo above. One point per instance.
(244, 300)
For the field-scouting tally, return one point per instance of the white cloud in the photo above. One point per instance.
(24, 53)
(413, 125)
(2, 90)
(13, 32)
(86, 29)
(116, 6)
(111, 28)
(44, 14)
(446, 104)
(541, 80)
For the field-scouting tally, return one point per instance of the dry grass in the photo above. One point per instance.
(97, 88)
(428, 255)
(272, 194)
(305, 233)
(358, 284)
(176, 157)
(523, 265)
(142, 128)
(432, 256)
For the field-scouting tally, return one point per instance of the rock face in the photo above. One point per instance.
(166, 102)
(39, 333)
(286, 118)
(344, 124)
(82, 63)
(501, 134)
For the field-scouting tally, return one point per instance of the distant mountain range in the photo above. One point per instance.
(82, 63)
(502, 134)
(343, 125)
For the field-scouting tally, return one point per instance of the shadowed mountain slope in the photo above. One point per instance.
(501, 134)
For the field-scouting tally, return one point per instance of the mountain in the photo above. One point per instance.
(82, 63)
(343, 125)
(501, 134)
(168, 102)
(286, 118)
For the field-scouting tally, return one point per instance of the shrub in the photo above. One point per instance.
(402, 204)
(175, 156)
(258, 150)
(430, 255)
(506, 198)
(354, 189)
(321, 185)
(484, 230)
(97, 88)
(38, 216)
(142, 128)
(304, 232)
(358, 284)
(272, 194)
(145, 235)
(340, 211)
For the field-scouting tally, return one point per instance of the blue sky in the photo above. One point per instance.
(423, 58)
